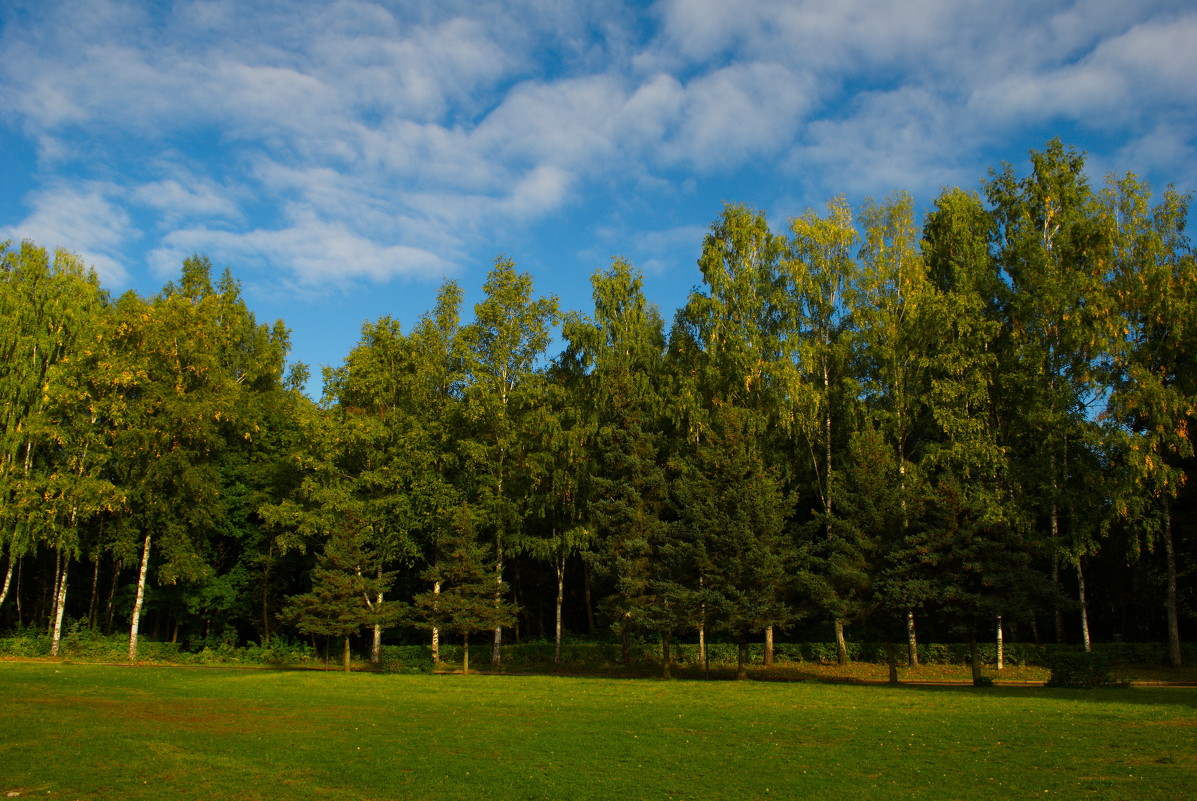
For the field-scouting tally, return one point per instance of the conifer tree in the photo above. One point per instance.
(347, 590)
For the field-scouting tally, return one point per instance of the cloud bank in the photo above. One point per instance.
(329, 144)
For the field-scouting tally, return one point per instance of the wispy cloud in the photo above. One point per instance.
(85, 218)
(350, 141)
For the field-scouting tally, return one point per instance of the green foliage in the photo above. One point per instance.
(846, 420)
(1080, 670)
(346, 595)
(466, 598)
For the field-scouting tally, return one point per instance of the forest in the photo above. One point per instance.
(858, 426)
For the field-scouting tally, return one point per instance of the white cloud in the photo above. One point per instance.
(82, 219)
(374, 134)
(739, 112)
(317, 252)
(1123, 76)
(906, 139)
(175, 201)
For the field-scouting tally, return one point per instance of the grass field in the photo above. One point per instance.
(76, 731)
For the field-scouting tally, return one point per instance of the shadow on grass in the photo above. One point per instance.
(1150, 695)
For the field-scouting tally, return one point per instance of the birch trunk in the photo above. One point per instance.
(912, 643)
(465, 655)
(1001, 647)
(1080, 578)
(436, 633)
(768, 646)
(376, 645)
(93, 605)
(59, 607)
(7, 579)
(136, 622)
(345, 655)
(54, 600)
(109, 608)
(496, 655)
(1173, 624)
(1059, 614)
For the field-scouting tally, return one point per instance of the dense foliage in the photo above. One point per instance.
(981, 426)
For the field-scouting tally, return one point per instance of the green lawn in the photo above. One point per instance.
(92, 731)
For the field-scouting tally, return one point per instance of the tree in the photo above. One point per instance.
(560, 483)
(821, 278)
(1154, 385)
(465, 600)
(346, 590)
(616, 359)
(82, 403)
(893, 327)
(193, 356)
(1053, 253)
(50, 312)
(732, 513)
(503, 346)
(730, 342)
(970, 554)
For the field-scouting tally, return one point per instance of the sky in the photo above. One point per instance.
(343, 158)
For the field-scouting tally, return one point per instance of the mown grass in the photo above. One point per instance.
(92, 731)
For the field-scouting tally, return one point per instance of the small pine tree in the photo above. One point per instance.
(466, 602)
(344, 582)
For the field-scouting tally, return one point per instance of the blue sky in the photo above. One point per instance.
(342, 158)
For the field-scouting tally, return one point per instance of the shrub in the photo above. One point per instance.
(408, 658)
(25, 643)
(85, 643)
(1080, 670)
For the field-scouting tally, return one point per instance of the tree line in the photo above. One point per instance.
(980, 422)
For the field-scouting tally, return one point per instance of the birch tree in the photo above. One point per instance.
(821, 277)
(1154, 389)
(1054, 254)
(503, 347)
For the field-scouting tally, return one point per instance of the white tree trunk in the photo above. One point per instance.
(135, 624)
(436, 634)
(1001, 648)
(7, 579)
(768, 646)
(57, 583)
(912, 643)
(59, 606)
(93, 604)
(1080, 577)
(496, 654)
